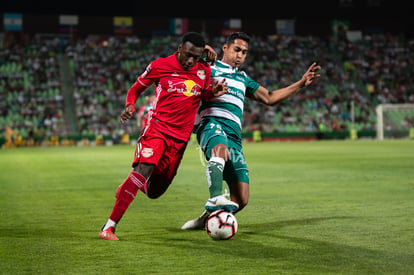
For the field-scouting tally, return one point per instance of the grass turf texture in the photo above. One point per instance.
(315, 207)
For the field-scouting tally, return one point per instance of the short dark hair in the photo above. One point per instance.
(237, 35)
(194, 38)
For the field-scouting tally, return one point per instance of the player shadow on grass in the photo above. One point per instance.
(259, 228)
(310, 253)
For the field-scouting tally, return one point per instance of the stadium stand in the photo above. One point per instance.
(31, 102)
(97, 71)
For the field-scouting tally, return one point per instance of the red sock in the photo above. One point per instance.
(127, 192)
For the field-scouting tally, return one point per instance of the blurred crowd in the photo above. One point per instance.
(31, 98)
(95, 73)
(103, 70)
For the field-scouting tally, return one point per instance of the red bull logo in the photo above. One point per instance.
(187, 87)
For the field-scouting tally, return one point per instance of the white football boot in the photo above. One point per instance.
(221, 202)
(197, 223)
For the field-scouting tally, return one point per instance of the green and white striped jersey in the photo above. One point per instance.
(229, 105)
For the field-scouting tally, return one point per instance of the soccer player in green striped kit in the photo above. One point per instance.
(219, 128)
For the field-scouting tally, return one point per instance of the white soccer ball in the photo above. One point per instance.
(221, 225)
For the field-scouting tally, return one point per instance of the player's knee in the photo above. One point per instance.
(220, 150)
(144, 169)
(156, 187)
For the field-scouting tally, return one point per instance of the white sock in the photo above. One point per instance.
(108, 224)
(218, 160)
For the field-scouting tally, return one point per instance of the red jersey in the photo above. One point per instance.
(177, 94)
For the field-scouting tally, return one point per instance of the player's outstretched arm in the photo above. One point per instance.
(271, 98)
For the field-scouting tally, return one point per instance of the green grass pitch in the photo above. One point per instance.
(333, 207)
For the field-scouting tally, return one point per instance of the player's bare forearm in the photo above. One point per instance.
(284, 93)
(271, 98)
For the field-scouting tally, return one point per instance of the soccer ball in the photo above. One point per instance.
(221, 225)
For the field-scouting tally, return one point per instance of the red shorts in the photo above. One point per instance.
(164, 151)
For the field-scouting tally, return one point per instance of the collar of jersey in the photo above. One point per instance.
(227, 66)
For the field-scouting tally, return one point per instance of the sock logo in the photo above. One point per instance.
(212, 201)
(130, 193)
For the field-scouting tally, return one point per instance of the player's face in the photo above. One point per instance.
(189, 55)
(235, 54)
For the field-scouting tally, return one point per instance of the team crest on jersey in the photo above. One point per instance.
(147, 152)
(201, 74)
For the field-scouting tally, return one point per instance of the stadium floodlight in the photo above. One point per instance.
(395, 121)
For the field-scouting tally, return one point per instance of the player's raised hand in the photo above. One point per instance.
(128, 113)
(311, 74)
(219, 88)
(211, 55)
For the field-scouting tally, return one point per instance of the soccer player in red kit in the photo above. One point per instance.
(181, 80)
